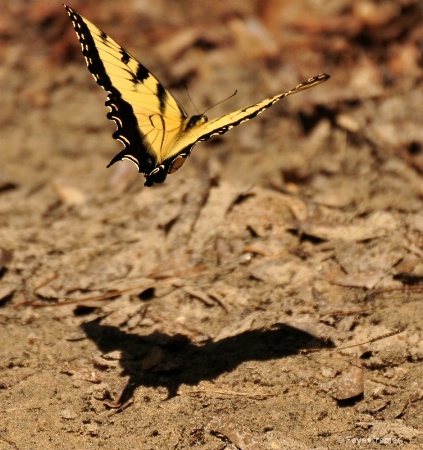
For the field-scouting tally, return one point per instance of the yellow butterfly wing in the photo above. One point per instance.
(206, 129)
(147, 116)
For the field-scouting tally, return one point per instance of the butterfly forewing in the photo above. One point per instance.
(138, 101)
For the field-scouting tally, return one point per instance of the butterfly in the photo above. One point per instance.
(157, 133)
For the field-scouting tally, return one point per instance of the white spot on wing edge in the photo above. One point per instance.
(132, 159)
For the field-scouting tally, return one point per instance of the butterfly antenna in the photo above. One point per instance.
(210, 107)
(190, 99)
(218, 103)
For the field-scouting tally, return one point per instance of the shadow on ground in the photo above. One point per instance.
(183, 362)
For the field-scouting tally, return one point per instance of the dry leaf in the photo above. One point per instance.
(351, 383)
(367, 280)
(70, 195)
(376, 225)
(239, 435)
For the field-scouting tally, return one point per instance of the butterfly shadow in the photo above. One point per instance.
(160, 360)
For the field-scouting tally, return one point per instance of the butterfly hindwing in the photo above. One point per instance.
(155, 130)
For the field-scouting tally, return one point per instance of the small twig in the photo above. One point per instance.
(116, 405)
(53, 277)
(233, 393)
(94, 298)
(377, 338)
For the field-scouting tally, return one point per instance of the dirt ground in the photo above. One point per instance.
(268, 295)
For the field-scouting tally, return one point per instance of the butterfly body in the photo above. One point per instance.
(157, 133)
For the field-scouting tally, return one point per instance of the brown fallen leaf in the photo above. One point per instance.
(70, 195)
(367, 280)
(376, 225)
(238, 434)
(81, 373)
(224, 251)
(252, 38)
(351, 383)
(220, 200)
(121, 312)
(6, 292)
(6, 257)
(170, 49)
